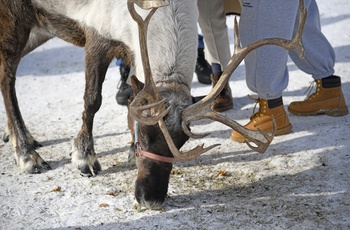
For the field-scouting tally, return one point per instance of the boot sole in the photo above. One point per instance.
(328, 112)
(279, 132)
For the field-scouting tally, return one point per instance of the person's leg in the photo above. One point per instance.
(212, 21)
(124, 89)
(266, 67)
(319, 56)
(203, 68)
(319, 62)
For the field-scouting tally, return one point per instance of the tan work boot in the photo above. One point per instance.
(263, 120)
(224, 101)
(327, 99)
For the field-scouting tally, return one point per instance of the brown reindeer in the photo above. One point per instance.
(26, 25)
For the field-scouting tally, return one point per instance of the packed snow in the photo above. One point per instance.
(300, 182)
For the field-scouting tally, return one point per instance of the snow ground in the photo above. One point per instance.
(301, 182)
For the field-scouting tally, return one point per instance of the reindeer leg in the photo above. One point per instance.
(97, 58)
(13, 41)
(8, 133)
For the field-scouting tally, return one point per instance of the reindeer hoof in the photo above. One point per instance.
(96, 167)
(37, 169)
(31, 167)
(45, 166)
(85, 170)
(6, 137)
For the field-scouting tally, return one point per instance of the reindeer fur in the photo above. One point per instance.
(106, 30)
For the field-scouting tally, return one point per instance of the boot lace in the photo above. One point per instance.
(310, 89)
(262, 109)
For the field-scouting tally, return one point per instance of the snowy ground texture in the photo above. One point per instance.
(301, 182)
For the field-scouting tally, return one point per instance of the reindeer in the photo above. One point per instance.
(163, 106)
(158, 108)
(25, 24)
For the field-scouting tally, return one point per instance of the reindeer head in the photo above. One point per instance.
(164, 112)
(154, 157)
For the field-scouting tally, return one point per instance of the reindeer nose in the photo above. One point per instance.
(147, 200)
(151, 204)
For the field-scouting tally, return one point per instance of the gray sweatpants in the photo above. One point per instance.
(266, 67)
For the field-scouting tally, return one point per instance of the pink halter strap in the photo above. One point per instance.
(139, 152)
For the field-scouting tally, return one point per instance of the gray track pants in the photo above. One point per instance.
(266, 67)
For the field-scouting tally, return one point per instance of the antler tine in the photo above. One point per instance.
(139, 115)
(237, 40)
(202, 109)
(261, 146)
(297, 40)
(186, 130)
(149, 94)
(182, 156)
(260, 138)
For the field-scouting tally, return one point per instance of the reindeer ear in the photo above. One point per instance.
(136, 85)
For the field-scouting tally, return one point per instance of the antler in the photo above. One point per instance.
(148, 106)
(149, 97)
(182, 156)
(202, 109)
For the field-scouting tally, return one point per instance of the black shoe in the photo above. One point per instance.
(203, 68)
(125, 91)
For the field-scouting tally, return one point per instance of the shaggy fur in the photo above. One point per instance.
(106, 30)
